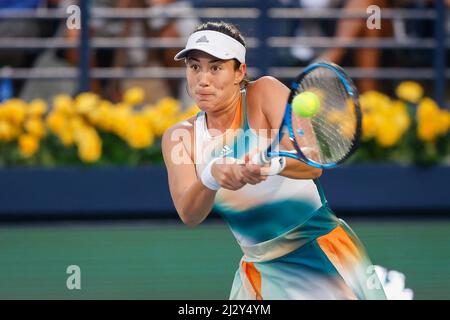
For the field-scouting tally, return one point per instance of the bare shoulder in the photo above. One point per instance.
(267, 90)
(269, 95)
(182, 131)
(266, 86)
(187, 124)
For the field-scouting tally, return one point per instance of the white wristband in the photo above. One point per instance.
(277, 165)
(207, 178)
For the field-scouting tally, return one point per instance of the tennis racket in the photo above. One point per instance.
(328, 137)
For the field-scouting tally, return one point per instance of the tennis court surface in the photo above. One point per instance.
(143, 259)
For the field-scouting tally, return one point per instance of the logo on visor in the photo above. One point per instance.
(202, 39)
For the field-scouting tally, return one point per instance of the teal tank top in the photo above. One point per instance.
(254, 213)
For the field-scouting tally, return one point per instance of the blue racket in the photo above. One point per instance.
(329, 136)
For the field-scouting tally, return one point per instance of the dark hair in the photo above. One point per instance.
(224, 27)
(230, 30)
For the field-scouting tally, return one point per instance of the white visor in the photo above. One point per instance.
(214, 43)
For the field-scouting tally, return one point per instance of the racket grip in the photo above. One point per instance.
(277, 164)
(260, 159)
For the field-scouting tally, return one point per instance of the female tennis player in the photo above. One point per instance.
(294, 246)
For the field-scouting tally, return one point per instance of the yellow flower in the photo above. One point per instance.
(97, 116)
(63, 104)
(77, 123)
(123, 105)
(409, 91)
(443, 122)
(400, 116)
(15, 111)
(2, 111)
(388, 134)
(89, 144)
(81, 133)
(373, 101)
(90, 150)
(61, 125)
(384, 119)
(4, 130)
(86, 102)
(427, 109)
(427, 131)
(134, 96)
(139, 134)
(103, 116)
(35, 127)
(120, 120)
(66, 137)
(8, 131)
(28, 145)
(37, 108)
(157, 119)
(432, 121)
(369, 127)
(56, 121)
(168, 107)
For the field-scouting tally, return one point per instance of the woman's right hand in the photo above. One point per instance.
(232, 175)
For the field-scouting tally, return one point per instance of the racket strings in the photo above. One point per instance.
(335, 97)
(321, 129)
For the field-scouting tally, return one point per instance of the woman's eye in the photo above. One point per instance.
(215, 68)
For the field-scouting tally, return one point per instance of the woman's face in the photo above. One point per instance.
(213, 83)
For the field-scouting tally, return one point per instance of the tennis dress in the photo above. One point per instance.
(293, 245)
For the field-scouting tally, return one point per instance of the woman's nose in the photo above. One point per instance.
(203, 79)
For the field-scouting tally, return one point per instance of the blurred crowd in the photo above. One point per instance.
(121, 120)
(177, 28)
(101, 58)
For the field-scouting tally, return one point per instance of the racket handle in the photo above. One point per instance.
(277, 164)
(260, 159)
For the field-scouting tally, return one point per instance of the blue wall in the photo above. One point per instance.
(144, 190)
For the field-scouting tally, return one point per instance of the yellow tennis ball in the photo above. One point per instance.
(306, 104)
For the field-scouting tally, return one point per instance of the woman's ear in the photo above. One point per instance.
(240, 73)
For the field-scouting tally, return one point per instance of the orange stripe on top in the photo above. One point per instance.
(231, 132)
(237, 121)
(238, 116)
(254, 276)
(340, 249)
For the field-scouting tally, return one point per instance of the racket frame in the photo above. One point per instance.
(287, 120)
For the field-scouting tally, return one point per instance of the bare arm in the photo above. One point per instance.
(193, 201)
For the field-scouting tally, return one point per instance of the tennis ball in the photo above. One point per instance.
(306, 104)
